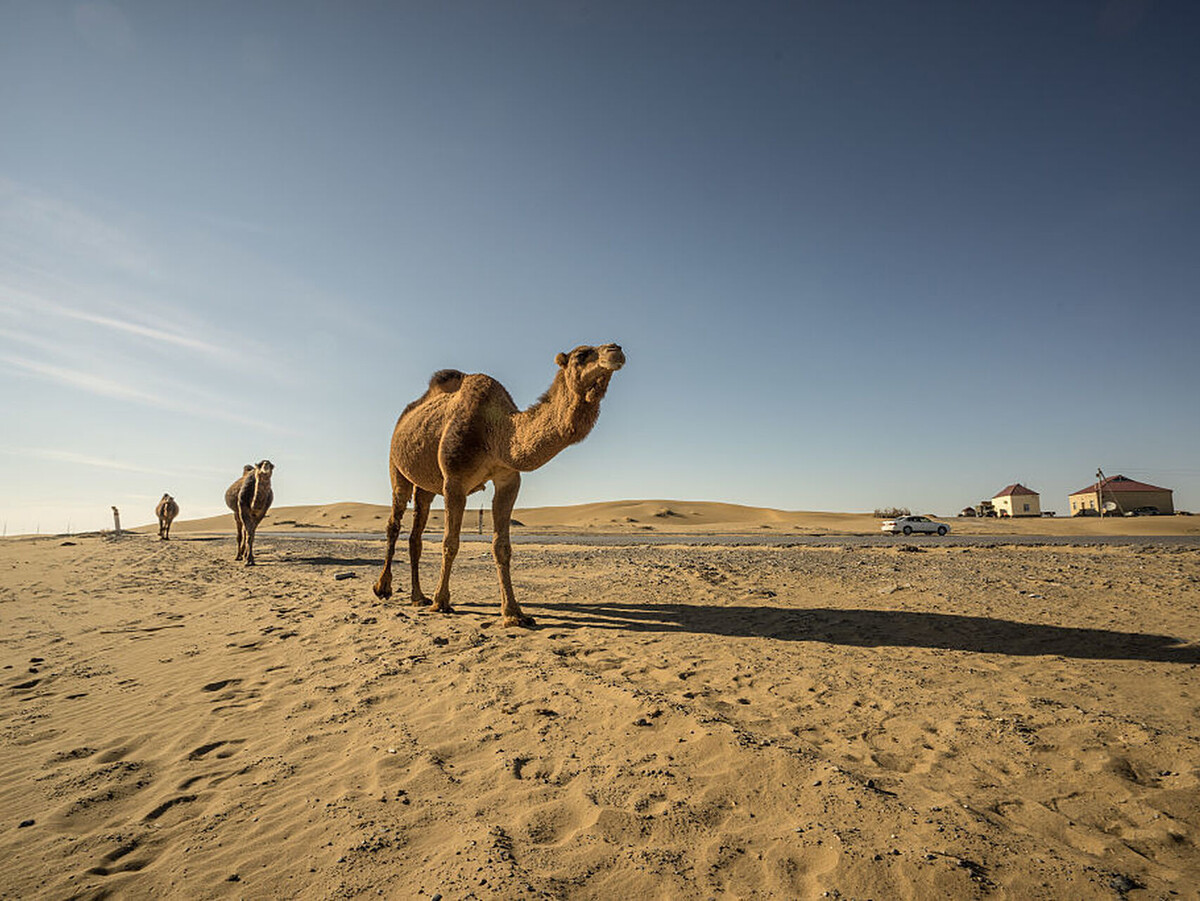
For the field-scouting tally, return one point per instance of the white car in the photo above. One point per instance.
(908, 524)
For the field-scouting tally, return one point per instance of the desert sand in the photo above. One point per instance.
(916, 720)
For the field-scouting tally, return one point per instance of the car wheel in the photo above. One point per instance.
(908, 530)
(941, 530)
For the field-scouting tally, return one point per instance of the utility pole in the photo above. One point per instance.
(1099, 496)
(117, 521)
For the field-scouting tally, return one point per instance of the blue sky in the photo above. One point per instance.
(858, 254)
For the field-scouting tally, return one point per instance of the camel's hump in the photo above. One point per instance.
(446, 380)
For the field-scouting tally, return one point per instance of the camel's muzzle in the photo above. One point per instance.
(612, 357)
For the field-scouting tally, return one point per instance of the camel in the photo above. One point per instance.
(466, 431)
(250, 498)
(166, 511)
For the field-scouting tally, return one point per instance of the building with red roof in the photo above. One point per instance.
(1017, 500)
(1126, 495)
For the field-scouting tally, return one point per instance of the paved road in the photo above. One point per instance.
(743, 540)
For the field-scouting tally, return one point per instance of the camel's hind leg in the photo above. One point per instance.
(241, 535)
(421, 503)
(503, 502)
(402, 490)
(456, 503)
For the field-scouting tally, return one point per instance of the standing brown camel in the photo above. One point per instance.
(166, 511)
(466, 431)
(250, 498)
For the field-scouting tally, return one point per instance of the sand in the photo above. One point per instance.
(910, 721)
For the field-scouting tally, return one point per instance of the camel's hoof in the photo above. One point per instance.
(442, 608)
(420, 600)
(249, 561)
(382, 591)
(525, 622)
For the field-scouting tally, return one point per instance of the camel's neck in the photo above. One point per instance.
(559, 419)
(262, 487)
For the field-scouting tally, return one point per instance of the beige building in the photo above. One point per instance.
(1017, 500)
(1126, 494)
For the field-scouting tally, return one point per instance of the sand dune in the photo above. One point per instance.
(909, 721)
(684, 517)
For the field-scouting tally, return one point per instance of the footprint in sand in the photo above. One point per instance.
(113, 863)
(209, 751)
(167, 805)
(217, 686)
(205, 750)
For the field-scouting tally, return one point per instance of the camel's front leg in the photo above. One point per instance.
(456, 503)
(420, 518)
(241, 535)
(401, 492)
(503, 502)
(249, 523)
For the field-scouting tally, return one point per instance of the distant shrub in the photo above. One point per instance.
(891, 512)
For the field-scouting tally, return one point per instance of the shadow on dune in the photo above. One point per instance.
(872, 629)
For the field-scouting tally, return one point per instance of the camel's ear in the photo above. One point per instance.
(561, 359)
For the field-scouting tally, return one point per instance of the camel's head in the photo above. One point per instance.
(263, 469)
(249, 467)
(166, 497)
(587, 370)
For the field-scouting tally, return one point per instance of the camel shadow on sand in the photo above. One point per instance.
(872, 629)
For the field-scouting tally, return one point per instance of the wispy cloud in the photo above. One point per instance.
(143, 331)
(34, 224)
(43, 344)
(60, 456)
(105, 387)
(86, 305)
(17, 300)
(84, 381)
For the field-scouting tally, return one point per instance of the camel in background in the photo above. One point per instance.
(466, 431)
(166, 511)
(250, 498)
